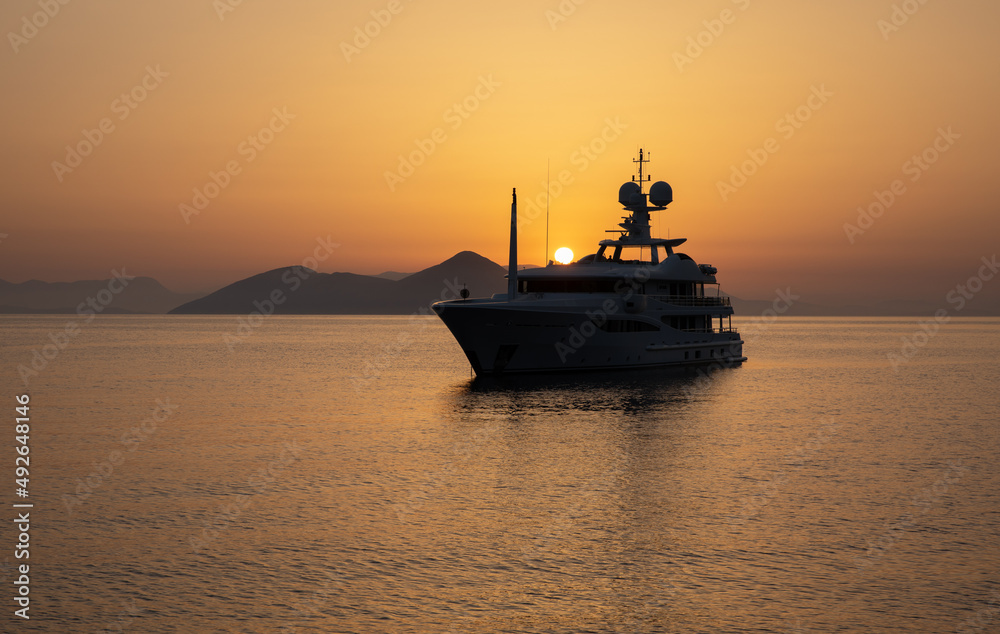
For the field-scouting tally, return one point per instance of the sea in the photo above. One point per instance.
(349, 474)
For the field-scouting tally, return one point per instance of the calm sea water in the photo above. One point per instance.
(344, 474)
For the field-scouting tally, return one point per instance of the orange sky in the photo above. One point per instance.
(532, 85)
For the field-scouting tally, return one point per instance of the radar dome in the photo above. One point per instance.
(626, 191)
(661, 194)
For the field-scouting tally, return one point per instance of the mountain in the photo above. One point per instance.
(135, 295)
(296, 290)
(303, 291)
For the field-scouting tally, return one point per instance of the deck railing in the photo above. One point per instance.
(690, 300)
(714, 331)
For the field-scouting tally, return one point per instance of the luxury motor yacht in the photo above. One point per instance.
(636, 302)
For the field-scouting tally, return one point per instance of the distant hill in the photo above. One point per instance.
(395, 276)
(302, 291)
(140, 295)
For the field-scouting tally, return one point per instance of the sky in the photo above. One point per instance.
(841, 150)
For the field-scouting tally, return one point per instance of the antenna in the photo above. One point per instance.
(548, 172)
(640, 162)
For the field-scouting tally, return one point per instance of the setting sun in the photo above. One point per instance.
(564, 255)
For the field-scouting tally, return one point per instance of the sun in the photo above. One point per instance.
(564, 255)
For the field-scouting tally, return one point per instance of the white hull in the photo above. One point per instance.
(501, 337)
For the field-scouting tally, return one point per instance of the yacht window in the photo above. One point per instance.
(627, 325)
(568, 286)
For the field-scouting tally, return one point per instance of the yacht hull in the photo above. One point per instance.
(500, 337)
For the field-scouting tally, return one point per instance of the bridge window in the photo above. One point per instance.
(568, 286)
(691, 323)
(627, 325)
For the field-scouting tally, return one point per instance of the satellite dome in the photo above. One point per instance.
(626, 191)
(661, 194)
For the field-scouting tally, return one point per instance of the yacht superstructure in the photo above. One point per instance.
(636, 302)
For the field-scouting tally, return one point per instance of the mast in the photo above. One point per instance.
(512, 262)
(640, 162)
(637, 224)
(635, 228)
